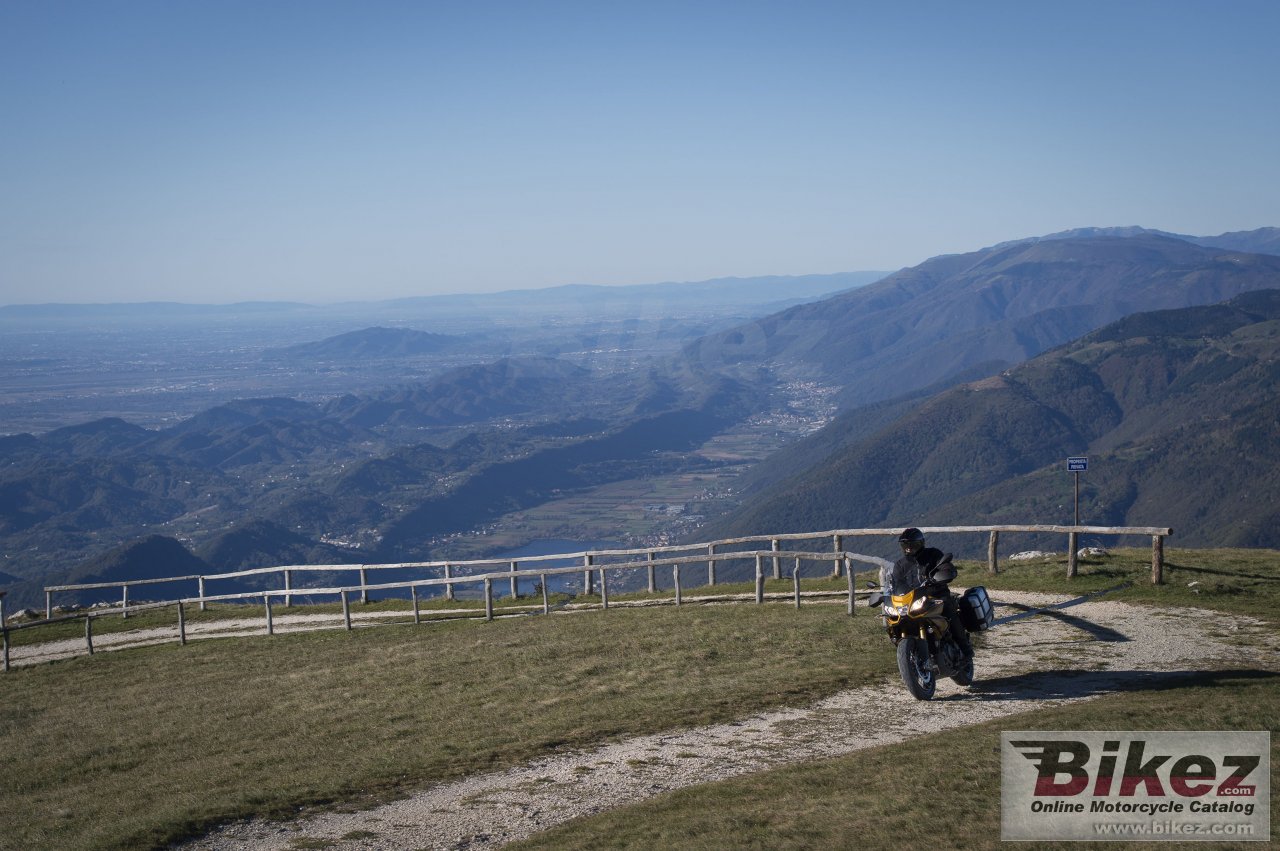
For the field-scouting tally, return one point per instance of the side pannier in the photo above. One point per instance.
(976, 611)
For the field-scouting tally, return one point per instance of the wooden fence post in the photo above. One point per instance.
(795, 579)
(776, 546)
(182, 624)
(364, 580)
(587, 587)
(448, 586)
(48, 604)
(417, 615)
(604, 589)
(124, 601)
(837, 545)
(994, 542)
(288, 586)
(488, 599)
(848, 573)
(1157, 559)
(653, 584)
(515, 583)
(675, 576)
(200, 583)
(759, 578)
(346, 610)
(4, 631)
(711, 564)
(88, 633)
(1072, 558)
(546, 600)
(266, 603)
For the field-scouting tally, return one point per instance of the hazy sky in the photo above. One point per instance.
(321, 151)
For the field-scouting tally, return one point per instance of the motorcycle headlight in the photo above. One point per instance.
(902, 610)
(919, 604)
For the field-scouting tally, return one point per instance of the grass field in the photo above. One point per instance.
(136, 748)
(937, 791)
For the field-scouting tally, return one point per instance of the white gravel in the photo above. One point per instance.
(1073, 653)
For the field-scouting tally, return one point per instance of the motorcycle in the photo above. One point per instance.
(918, 626)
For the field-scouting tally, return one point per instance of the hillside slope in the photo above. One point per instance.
(995, 307)
(375, 342)
(351, 471)
(1178, 410)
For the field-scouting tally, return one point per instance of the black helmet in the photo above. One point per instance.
(911, 540)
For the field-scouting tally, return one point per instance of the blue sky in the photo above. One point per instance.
(324, 151)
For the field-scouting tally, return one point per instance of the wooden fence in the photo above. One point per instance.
(487, 580)
(593, 564)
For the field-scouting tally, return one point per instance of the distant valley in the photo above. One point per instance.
(654, 414)
(156, 364)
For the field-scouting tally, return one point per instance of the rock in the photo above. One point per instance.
(1091, 552)
(1029, 555)
(1193, 584)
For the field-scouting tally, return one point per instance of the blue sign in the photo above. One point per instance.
(1077, 465)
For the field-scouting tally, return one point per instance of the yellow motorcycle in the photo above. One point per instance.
(918, 626)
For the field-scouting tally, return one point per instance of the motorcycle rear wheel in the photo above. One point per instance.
(913, 664)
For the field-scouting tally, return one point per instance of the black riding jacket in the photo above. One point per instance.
(909, 571)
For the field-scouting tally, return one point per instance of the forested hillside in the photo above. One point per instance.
(1178, 411)
(273, 481)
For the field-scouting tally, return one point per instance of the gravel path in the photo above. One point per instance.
(1034, 658)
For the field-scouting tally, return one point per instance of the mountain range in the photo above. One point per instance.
(962, 384)
(263, 481)
(1177, 410)
(1259, 241)
(586, 299)
(957, 316)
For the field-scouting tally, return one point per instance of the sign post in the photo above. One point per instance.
(1077, 465)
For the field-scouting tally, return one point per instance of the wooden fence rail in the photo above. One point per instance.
(711, 553)
(486, 579)
(590, 565)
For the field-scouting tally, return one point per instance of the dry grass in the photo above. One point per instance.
(940, 790)
(137, 748)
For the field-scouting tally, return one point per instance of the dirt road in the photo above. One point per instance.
(1045, 650)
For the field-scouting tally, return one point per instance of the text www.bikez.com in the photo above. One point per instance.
(1168, 828)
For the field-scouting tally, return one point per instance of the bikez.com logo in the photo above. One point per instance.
(1135, 785)
(1065, 769)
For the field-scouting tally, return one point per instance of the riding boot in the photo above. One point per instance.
(957, 629)
(962, 638)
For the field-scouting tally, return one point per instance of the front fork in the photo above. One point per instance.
(922, 630)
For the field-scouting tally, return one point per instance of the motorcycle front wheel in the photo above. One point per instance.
(913, 664)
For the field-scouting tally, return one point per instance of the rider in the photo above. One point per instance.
(912, 569)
